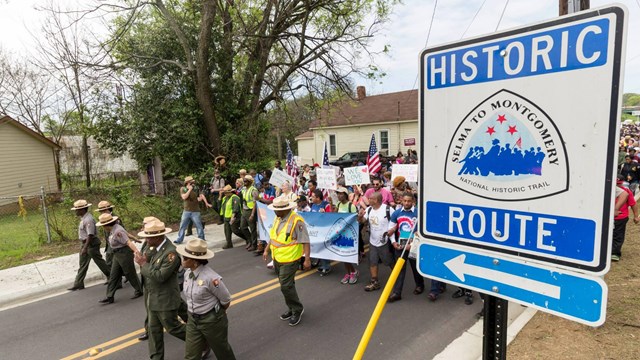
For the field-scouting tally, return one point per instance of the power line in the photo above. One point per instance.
(474, 18)
(501, 15)
(433, 15)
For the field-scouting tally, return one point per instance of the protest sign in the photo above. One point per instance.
(333, 236)
(356, 175)
(326, 178)
(278, 177)
(409, 171)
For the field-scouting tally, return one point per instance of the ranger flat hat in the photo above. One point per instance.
(80, 204)
(220, 160)
(106, 219)
(188, 179)
(104, 205)
(195, 249)
(149, 219)
(227, 188)
(282, 203)
(153, 229)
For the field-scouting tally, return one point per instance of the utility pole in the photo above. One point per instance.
(571, 6)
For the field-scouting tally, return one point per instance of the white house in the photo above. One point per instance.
(347, 126)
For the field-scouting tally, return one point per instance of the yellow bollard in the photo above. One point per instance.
(364, 341)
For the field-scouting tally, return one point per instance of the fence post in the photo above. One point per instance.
(46, 215)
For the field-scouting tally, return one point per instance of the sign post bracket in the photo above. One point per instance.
(494, 343)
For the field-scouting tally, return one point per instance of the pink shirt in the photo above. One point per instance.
(624, 210)
(387, 198)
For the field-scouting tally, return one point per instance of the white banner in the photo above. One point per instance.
(409, 171)
(279, 177)
(326, 179)
(356, 175)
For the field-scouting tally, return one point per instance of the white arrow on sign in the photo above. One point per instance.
(459, 268)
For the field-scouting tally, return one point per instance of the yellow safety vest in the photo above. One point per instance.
(284, 249)
(226, 210)
(247, 195)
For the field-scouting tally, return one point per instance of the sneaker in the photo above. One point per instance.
(433, 296)
(373, 285)
(286, 316)
(345, 279)
(468, 300)
(353, 277)
(458, 294)
(324, 272)
(270, 265)
(615, 258)
(295, 318)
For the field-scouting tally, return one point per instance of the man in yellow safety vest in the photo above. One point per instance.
(249, 221)
(289, 241)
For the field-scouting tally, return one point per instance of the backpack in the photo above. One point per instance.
(386, 216)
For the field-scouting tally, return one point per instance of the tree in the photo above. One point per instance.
(238, 58)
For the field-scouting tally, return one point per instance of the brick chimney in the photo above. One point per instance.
(361, 92)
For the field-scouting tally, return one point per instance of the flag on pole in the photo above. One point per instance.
(292, 168)
(373, 158)
(325, 164)
(519, 143)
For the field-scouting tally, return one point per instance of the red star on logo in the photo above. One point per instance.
(512, 129)
(501, 119)
(490, 130)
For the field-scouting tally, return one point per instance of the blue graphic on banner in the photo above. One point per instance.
(502, 160)
(561, 236)
(565, 48)
(573, 296)
(333, 236)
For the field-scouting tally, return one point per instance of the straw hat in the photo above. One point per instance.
(282, 203)
(195, 249)
(341, 189)
(248, 178)
(220, 160)
(188, 179)
(153, 229)
(80, 204)
(149, 219)
(227, 189)
(104, 205)
(106, 219)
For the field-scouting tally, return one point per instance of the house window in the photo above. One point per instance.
(332, 145)
(384, 139)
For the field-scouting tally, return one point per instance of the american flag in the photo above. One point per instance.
(325, 165)
(292, 168)
(373, 159)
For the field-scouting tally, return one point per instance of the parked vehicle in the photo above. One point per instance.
(348, 159)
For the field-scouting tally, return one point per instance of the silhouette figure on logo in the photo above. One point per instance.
(502, 161)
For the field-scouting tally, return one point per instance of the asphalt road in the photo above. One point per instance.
(67, 326)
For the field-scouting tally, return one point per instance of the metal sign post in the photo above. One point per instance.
(494, 340)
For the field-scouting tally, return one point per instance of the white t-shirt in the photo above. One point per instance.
(378, 223)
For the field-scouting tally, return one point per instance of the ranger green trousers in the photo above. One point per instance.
(210, 329)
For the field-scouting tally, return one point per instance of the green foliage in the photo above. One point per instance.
(631, 99)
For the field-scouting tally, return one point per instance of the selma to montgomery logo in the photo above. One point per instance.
(507, 149)
(341, 238)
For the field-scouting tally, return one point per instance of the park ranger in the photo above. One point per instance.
(90, 248)
(207, 300)
(289, 240)
(159, 267)
(230, 212)
(122, 262)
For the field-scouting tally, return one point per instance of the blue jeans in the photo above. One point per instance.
(193, 216)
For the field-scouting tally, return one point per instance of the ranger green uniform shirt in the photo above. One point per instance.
(161, 277)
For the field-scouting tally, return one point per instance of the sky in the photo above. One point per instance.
(406, 34)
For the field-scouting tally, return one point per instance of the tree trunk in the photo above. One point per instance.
(85, 158)
(202, 77)
(56, 162)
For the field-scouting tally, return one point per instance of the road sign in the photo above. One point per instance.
(519, 134)
(567, 294)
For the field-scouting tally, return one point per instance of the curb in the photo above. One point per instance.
(468, 346)
(45, 291)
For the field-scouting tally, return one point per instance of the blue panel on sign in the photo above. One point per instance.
(562, 236)
(569, 295)
(567, 48)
